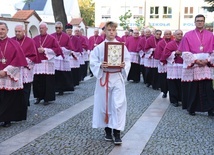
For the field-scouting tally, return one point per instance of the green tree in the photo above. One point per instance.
(140, 22)
(125, 20)
(211, 3)
(87, 12)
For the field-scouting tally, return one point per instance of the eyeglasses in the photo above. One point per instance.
(199, 21)
(136, 33)
(57, 27)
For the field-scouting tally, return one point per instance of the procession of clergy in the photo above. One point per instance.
(180, 67)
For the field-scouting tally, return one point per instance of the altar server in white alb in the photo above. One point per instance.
(109, 97)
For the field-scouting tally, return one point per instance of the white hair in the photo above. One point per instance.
(43, 23)
(96, 29)
(167, 31)
(59, 23)
(147, 29)
(20, 25)
(77, 29)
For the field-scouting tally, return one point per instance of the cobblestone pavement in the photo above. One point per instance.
(76, 136)
(38, 113)
(177, 133)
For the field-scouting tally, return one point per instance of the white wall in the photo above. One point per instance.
(177, 21)
(90, 31)
(11, 26)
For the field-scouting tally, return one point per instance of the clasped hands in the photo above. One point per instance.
(201, 63)
(41, 50)
(178, 53)
(105, 65)
(2, 74)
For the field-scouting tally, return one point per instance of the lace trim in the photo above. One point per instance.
(45, 67)
(14, 79)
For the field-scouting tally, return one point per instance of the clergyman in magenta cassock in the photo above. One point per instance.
(12, 59)
(197, 75)
(44, 72)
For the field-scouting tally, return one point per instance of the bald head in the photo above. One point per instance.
(96, 31)
(77, 31)
(147, 32)
(19, 31)
(178, 35)
(135, 33)
(43, 28)
(167, 34)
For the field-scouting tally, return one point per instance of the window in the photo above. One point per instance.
(125, 8)
(154, 12)
(138, 10)
(137, 16)
(188, 12)
(106, 11)
(167, 12)
(106, 16)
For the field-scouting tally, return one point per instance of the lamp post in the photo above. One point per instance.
(144, 12)
(179, 15)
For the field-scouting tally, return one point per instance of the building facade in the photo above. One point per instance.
(42, 7)
(160, 14)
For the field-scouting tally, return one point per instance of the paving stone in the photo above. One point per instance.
(79, 133)
(177, 133)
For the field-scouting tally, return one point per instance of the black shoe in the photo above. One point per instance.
(61, 93)
(108, 138)
(147, 85)
(210, 113)
(136, 81)
(91, 75)
(117, 139)
(108, 132)
(46, 103)
(192, 113)
(164, 96)
(6, 124)
(175, 104)
(37, 101)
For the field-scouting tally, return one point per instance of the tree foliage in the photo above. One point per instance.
(87, 12)
(140, 22)
(211, 3)
(125, 20)
(59, 11)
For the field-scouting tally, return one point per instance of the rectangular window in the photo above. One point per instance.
(188, 12)
(140, 10)
(154, 12)
(106, 16)
(125, 8)
(106, 11)
(137, 11)
(167, 12)
(191, 10)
